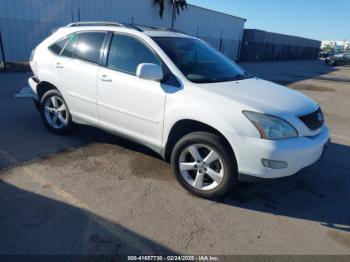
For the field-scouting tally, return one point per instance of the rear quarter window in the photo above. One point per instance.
(59, 45)
(69, 49)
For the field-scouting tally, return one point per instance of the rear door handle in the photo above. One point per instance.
(106, 78)
(59, 65)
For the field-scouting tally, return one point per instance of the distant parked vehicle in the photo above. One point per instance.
(338, 59)
(327, 54)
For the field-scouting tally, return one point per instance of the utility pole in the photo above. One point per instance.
(344, 44)
(2, 52)
(221, 42)
(78, 14)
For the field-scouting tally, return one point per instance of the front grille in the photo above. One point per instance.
(314, 120)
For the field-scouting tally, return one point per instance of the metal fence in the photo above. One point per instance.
(265, 46)
(260, 51)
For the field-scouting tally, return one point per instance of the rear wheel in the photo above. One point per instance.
(55, 113)
(204, 165)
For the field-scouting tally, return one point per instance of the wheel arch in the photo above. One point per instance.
(187, 126)
(44, 87)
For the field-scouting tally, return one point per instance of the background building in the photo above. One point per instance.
(258, 45)
(336, 45)
(25, 23)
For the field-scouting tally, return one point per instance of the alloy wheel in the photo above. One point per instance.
(201, 167)
(56, 113)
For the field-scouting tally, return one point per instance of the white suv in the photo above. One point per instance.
(180, 97)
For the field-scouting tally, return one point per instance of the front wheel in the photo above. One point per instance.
(54, 112)
(204, 165)
(331, 62)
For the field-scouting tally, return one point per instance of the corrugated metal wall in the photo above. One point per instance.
(259, 45)
(25, 23)
(222, 31)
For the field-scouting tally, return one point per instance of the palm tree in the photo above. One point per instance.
(177, 5)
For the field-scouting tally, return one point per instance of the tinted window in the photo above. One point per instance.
(199, 62)
(57, 47)
(89, 45)
(126, 53)
(69, 49)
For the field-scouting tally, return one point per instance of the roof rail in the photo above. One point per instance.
(142, 28)
(94, 23)
(138, 27)
(99, 23)
(168, 29)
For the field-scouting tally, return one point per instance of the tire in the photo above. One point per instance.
(55, 113)
(331, 62)
(207, 177)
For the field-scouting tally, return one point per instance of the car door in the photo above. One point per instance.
(77, 70)
(127, 104)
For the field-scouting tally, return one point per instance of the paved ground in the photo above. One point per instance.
(93, 193)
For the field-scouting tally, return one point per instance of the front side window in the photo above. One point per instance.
(57, 46)
(126, 53)
(88, 46)
(199, 62)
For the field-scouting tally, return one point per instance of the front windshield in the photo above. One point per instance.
(199, 62)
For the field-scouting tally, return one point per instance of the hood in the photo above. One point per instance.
(263, 96)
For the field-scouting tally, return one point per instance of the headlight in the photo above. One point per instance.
(271, 127)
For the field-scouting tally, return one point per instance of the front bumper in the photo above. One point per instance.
(298, 153)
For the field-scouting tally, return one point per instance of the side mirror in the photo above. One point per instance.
(149, 72)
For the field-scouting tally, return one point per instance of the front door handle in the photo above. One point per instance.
(59, 65)
(106, 78)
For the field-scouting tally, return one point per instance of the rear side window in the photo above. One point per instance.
(126, 53)
(57, 46)
(88, 46)
(69, 49)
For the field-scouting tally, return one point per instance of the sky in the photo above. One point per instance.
(315, 19)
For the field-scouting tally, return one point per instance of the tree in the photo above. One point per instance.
(177, 5)
(328, 48)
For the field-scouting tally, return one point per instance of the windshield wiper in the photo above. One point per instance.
(222, 79)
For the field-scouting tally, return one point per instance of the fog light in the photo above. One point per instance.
(273, 164)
